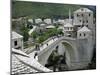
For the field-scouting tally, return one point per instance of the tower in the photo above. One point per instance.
(70, 17)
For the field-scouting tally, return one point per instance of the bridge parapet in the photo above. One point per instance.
(69, 39)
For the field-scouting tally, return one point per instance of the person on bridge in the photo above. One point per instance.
(47, 44)
(35, 55)
(37, 47)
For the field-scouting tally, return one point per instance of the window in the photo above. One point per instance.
(77, 15)
(80, 34)
(82, 25)
(84, 34)
(89, 14)
(82, 15)
(87, 21)
(68, 28)
(80, 20)
(83, 21)
(71, 28)
(15, 43)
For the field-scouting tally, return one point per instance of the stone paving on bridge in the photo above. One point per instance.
(48, 43)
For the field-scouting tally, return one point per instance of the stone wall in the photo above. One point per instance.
(78, 52)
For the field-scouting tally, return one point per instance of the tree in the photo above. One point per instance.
(59, 32)
(24, 31)
(34, 35)
(41, 39)
(54, 59)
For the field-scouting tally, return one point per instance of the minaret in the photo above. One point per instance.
(69, 16)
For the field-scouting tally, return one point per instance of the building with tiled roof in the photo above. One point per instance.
(17, 40)
(68, 29)
(25, 64)
(84, 32)
(83, 17)
(83, 10)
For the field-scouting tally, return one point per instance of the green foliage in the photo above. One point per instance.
(41, 39)
(53, 58)
(34, 34)
(60, 32)
(45, 35)
(13, 25)
(42, 10)
(24, 31)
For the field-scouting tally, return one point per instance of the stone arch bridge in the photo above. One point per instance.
(78, 52)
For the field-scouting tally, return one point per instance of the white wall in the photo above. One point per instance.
(87, 34)
(19, 43)
(85, 18)
(48, 21)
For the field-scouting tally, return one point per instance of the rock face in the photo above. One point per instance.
(78, 52)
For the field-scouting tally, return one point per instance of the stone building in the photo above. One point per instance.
(38, 20)
(48, 21)
(83, 33)
(83, 17)
(42, 25)
(17, 41)
(68, 29)
(30, 20)
(50, 27)
(61, 21)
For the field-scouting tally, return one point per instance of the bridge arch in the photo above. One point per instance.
(71, 53)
